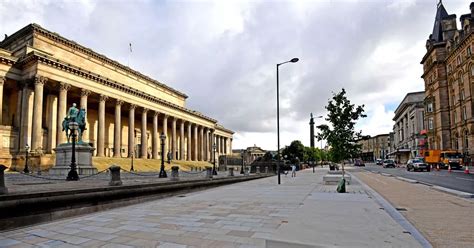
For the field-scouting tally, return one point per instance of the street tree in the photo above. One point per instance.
(340, 134)
(295, 151)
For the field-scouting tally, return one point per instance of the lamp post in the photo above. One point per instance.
(72, 175)
(242, 168)
(162, 169)
(293, 60)
(27, 150)
(214, 172)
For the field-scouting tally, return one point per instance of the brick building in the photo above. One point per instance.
(448, 72)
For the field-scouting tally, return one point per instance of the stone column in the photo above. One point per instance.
(173, 139)
(62, 102)
(118, 129)
(196, 147)
(188, 157)
(201, 143)
(18, 106)
(165, 131)
(206, 144)
(131, 131)
(52, 109)
(211, 146)
(37, 130)
(83, 105)
(2, 81)
(155, 136)
(101, 128)
(144, 147)
(230, 145)
(181, 141)
(26, 110)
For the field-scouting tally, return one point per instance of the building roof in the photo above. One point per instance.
(437, 33)
(409, 99)
(35, 27)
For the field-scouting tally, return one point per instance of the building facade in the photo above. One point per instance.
(42, 74)
(448, 73)
(376, 147)
(409, 122)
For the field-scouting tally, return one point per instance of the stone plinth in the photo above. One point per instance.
(83, 159)
(335, 178)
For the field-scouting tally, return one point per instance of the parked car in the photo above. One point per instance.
(388, 163)
(359, 162)
(417, 164)
(379, 162)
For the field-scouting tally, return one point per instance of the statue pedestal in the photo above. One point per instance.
(83, 159)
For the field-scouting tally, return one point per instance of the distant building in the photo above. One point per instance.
(448, 72)
(376, 147)
(408, 125)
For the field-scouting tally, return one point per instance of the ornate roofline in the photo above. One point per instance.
(217, 126)
(37, 28)
(36, 56)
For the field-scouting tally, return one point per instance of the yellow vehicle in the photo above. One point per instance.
(443, 158)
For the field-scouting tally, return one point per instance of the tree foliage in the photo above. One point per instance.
(293, 151)
(341, 136)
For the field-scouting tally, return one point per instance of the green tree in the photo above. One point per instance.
(341, 136)
(293, 151)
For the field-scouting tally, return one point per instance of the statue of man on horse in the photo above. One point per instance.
(75, 115)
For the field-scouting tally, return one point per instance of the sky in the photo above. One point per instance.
(223, 54)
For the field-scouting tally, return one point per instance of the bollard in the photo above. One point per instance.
(257, 169)
(266, 169)
(174, 173)
(208, 172)
(231, 172)
(3, 188)
(115, 176)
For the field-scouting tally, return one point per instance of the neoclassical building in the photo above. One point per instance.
(42, 74)
(448, 72)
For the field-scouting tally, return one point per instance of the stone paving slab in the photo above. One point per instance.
(256, 213)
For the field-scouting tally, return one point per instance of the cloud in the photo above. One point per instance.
(223, 55)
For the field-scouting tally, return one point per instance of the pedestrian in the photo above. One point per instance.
(293, 170)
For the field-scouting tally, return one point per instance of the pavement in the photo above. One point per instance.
(443, 219)
(301, 212)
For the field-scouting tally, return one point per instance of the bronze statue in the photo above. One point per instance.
(75, 115)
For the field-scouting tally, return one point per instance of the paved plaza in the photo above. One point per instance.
(301, 212)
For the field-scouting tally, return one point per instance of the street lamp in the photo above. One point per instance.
(27, 150)
(162, 169)
(242, 168)
(214, 172)
(293, 60)
(72, 175)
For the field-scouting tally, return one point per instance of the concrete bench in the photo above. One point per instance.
(335, 178)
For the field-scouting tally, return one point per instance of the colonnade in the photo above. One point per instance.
(185, 141)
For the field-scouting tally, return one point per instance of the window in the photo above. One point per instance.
(458, 59)
(462, 95)
(429, 107)
(430, 123)
(456, 143)
(464, 113)
(472, 70)
(422, 117)
(454, 117)
(468, 51)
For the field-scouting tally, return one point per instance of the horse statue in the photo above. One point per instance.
(81, 121)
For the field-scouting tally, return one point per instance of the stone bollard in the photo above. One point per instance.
(266, 169)
(231, 172)
(174, 173)
(3, 189)
(257, 169)
(115, 176)
(208, 172)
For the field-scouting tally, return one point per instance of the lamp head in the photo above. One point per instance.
(73, 125)
(162, 136)
(27, 147)
(294, 60)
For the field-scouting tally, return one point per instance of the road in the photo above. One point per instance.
(456, 180)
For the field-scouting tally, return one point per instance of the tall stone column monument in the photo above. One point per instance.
(311, 131)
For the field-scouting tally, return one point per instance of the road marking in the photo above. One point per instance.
(465, 179)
